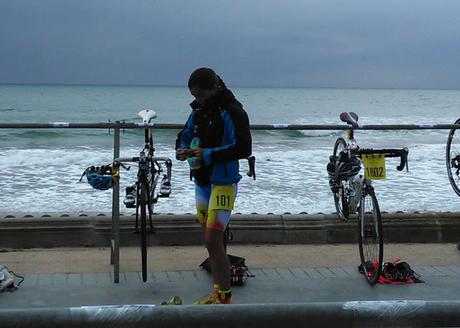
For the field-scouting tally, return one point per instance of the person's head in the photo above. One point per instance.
(204, 84)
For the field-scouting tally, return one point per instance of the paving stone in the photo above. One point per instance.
(326, 273)
(433, 271)
(189, 276)
(454, 269)
(351, 270)
(312, 273)
(89, 278)
(272, 274)
(45, 279)
(272, 285)
(161, 276)
(285, 273)
(121, 278)
(104, 277)
(339, 272)
(74, 279)
(60, 279)
(421, 270)
(259, 273)
(299, 273)
(30, 280)
(202, 275)
(133, 277)
(445, 271)
(174, 276)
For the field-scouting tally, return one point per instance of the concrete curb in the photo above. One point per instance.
(390, 313)
(94, 229)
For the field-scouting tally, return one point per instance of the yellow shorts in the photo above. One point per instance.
(214, 209)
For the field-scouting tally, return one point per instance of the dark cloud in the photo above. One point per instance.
(391, 44)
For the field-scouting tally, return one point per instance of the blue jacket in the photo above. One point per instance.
(223, 130)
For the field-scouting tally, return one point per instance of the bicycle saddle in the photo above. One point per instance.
(147, 115)
(350, 118)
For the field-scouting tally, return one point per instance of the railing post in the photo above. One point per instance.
(115, 240)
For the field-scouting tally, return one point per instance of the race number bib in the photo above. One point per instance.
(374, 167)
(222, 197)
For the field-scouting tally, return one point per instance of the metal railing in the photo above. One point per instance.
(117, 126)
(124, 125)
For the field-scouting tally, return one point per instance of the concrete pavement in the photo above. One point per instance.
(283, 273)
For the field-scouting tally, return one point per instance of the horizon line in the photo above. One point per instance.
(230, 86)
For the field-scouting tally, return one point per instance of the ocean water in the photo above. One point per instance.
(40, 169)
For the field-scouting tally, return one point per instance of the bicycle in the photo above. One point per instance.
(354, 193)
(453, 158)
(141, 194)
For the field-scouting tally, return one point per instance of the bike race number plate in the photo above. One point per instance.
(222, 197)
(374, 167)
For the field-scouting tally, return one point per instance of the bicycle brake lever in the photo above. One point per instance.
(403, 162)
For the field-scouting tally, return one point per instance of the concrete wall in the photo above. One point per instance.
(92, 229)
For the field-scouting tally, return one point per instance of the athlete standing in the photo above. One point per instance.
(215, 136)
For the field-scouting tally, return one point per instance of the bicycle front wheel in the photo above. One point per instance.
(340, 188)
(370, 236)
(453, 158)
(143, 203)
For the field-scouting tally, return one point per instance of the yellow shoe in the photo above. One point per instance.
(224, 297)
(208, 299)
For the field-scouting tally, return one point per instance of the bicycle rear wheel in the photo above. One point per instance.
(340, 190)
(453, 158)
(370, 236)
(143, 209)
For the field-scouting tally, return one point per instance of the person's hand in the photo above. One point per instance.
(197, 152)
(181, 154)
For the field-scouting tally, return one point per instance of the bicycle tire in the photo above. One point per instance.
(143, 209)
(370, 236)
(453, 158)
(340, 197)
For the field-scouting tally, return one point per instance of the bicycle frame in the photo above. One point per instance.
(357, 183)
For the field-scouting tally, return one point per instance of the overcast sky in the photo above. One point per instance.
(291, 43)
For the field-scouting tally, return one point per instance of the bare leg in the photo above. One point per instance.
(220, 265)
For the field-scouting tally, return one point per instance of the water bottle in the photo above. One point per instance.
(194, 162)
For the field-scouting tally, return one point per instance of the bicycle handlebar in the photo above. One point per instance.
(401, 153)
(168, 162)
(139, 159)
